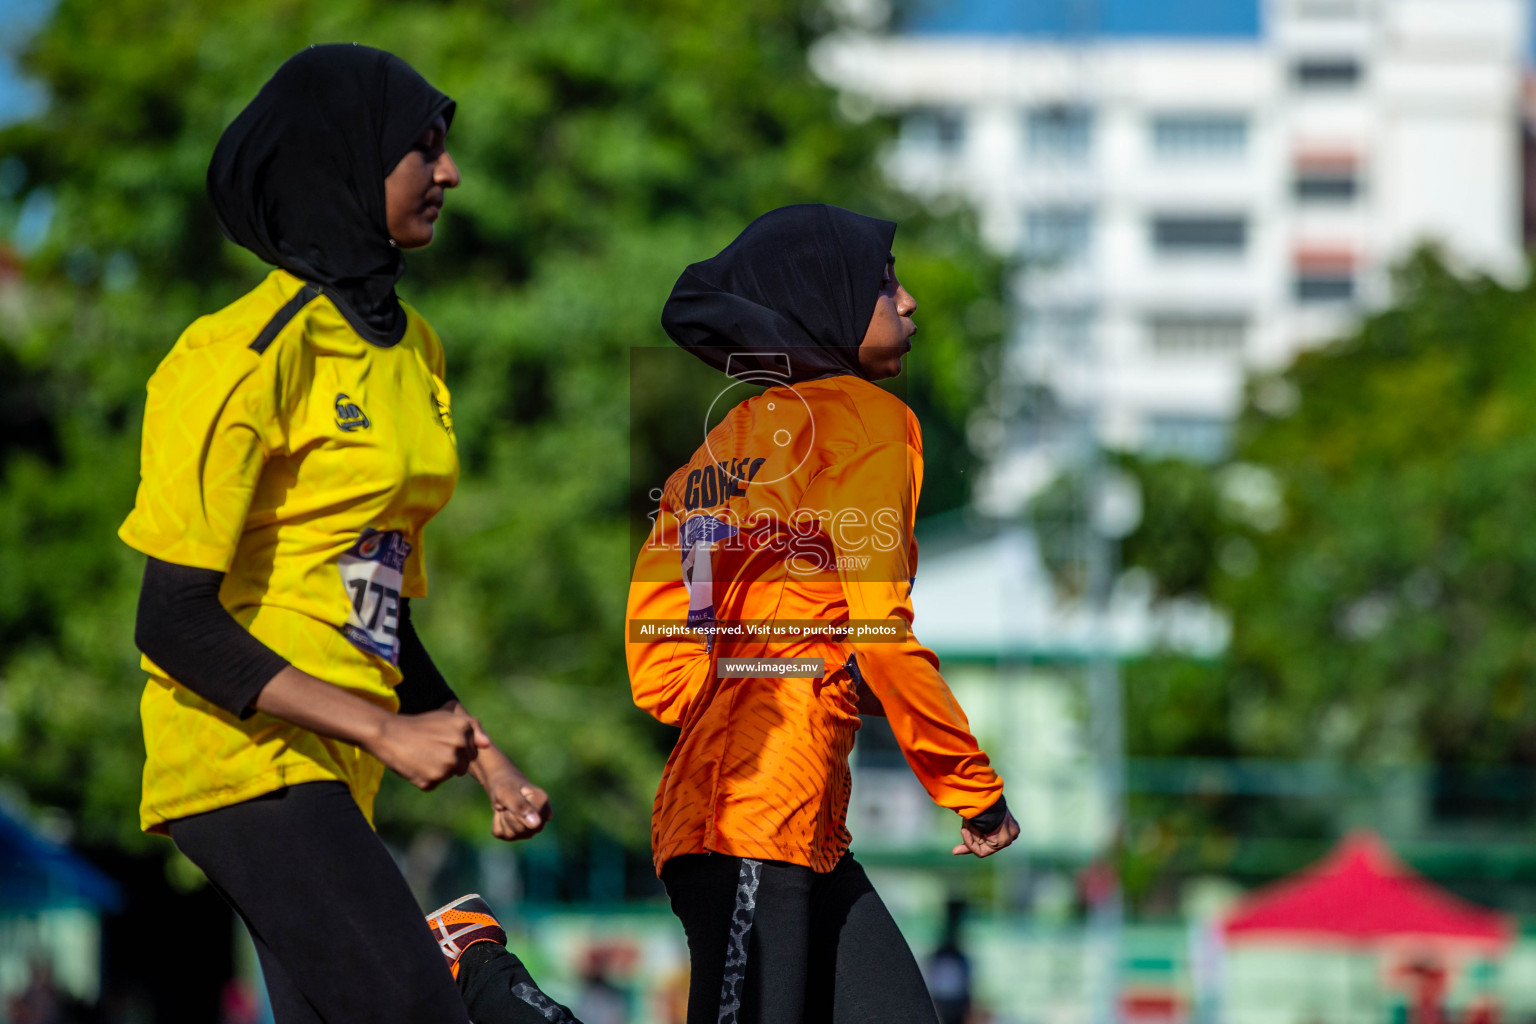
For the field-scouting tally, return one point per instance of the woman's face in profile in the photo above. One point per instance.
(414, 190)
(889, 336)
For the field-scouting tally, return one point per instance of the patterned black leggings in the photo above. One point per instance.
(777, 943)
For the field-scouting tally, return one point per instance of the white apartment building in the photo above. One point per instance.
(1188, 209)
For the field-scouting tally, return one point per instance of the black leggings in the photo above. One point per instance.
(340, 936)
(777, 943)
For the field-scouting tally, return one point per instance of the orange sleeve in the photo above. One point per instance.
(665, 675)
(869, 503)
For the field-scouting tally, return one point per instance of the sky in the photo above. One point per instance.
(1204, 18)
(18, 20)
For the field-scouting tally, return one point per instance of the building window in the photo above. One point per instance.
(1215, 235)
(935, 130)
(1326, 176)
(1325, 286)
(1199, 136)
(1325, 73)
(1058, 234)
(1059, 328)
(1320, 185)
(1325, 274)
(1327, 10)
(1059, 132)
(1197, 333)
(1199, 438)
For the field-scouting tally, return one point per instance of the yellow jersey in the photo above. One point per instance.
(284, 450)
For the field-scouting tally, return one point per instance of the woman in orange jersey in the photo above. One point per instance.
(784, 546)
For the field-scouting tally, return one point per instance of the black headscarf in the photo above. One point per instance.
(298, 176)
(800, 281)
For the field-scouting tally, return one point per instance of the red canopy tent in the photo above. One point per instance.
(1361, 894)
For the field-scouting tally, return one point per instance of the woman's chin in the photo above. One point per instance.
(418, 238)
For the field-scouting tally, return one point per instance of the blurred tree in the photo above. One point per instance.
(1382, 566)
(1180, 524)
(1176, 706)
(1371, 538)
(603, 146)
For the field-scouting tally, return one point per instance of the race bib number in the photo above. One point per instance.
(372, 570)
(699, 535)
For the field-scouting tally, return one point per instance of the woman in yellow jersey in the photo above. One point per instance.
(296, 443)
(795, 514)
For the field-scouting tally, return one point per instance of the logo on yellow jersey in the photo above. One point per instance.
(440, 408)
(350, 415)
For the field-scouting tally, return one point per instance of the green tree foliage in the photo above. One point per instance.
(1384, 604)
(1180, 524)
(1371, 537)
(1176, 706)
(603, 146)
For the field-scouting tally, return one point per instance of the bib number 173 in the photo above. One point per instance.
(372, 570)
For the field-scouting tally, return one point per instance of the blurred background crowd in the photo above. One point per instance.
(1227, 375)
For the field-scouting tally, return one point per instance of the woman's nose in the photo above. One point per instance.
(446, 173)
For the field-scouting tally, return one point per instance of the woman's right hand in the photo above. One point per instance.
(429, 748)
(423, 749)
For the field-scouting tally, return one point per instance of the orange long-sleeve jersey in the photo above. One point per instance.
(798, 508)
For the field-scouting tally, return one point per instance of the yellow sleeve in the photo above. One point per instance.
(872, 501)
(413, 582)
(433, 350)
(210, 423)
(413, 576)
(665, 675)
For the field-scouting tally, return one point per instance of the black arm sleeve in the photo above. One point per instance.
(183, 628)
(991, 819)
(422, 687)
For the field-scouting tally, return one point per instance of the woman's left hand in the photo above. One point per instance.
(519, 808)
(986, 846)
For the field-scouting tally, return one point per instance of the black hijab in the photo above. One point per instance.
(800, 282)
(298, 176)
